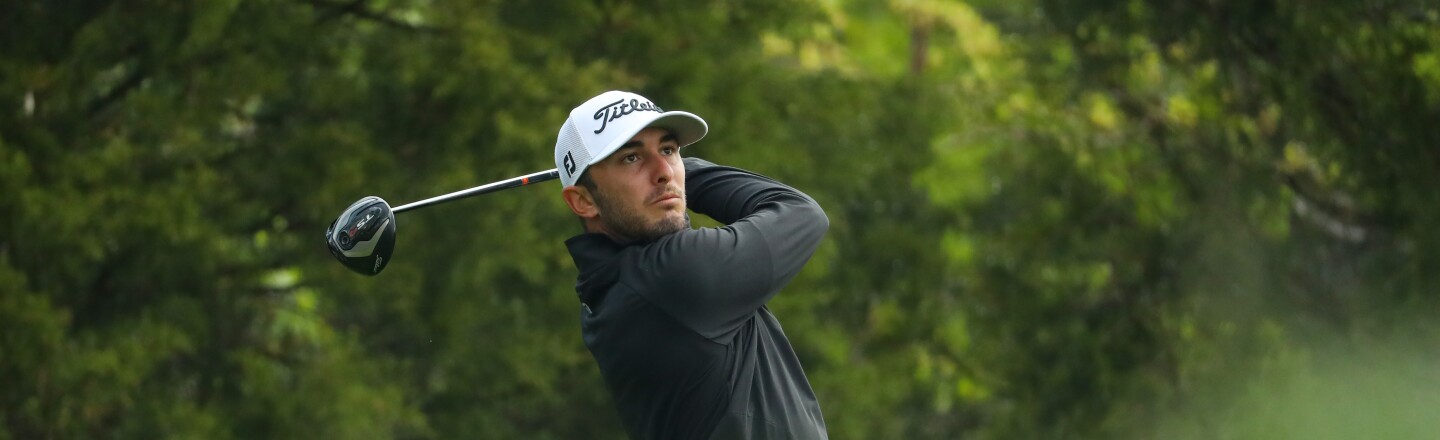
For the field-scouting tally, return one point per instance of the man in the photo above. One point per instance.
(675, 317)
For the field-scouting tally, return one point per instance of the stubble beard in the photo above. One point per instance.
(630, 226)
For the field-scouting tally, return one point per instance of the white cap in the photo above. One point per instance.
(604, 123)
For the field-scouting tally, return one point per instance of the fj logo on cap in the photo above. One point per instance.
(569, 164)
(618, 109)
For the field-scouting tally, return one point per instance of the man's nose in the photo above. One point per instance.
(664, 170)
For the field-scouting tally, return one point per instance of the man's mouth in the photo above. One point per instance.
(667, 196)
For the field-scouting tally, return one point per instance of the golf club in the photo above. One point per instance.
(363, 237)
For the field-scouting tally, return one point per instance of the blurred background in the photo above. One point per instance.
(1050, 219)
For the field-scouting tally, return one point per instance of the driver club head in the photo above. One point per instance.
(363, 237)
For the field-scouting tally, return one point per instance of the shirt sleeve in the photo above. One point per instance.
(713, 279)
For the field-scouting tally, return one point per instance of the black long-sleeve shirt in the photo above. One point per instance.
(679, 326)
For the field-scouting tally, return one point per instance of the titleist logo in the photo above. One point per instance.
(618, 109)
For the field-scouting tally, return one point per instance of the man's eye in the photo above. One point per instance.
(668, 150)
(630, 158)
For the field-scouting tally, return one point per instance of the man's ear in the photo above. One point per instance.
(581, 202)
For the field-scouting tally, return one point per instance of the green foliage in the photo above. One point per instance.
(1078, 219)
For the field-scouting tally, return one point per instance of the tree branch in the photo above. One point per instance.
(1330, 212)
(357, 8)
(131, 82)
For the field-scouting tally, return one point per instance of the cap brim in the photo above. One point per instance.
(686, 127)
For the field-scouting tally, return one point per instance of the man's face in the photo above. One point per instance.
(640, 188)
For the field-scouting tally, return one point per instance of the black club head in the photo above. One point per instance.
(363, 237)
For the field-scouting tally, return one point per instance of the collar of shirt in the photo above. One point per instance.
(594, 256)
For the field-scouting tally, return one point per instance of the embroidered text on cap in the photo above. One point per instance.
(610, 112)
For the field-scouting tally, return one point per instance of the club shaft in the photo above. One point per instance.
(515, 182)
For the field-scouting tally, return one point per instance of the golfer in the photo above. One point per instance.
(676, 317)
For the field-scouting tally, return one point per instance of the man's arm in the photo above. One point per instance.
(714, 278)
